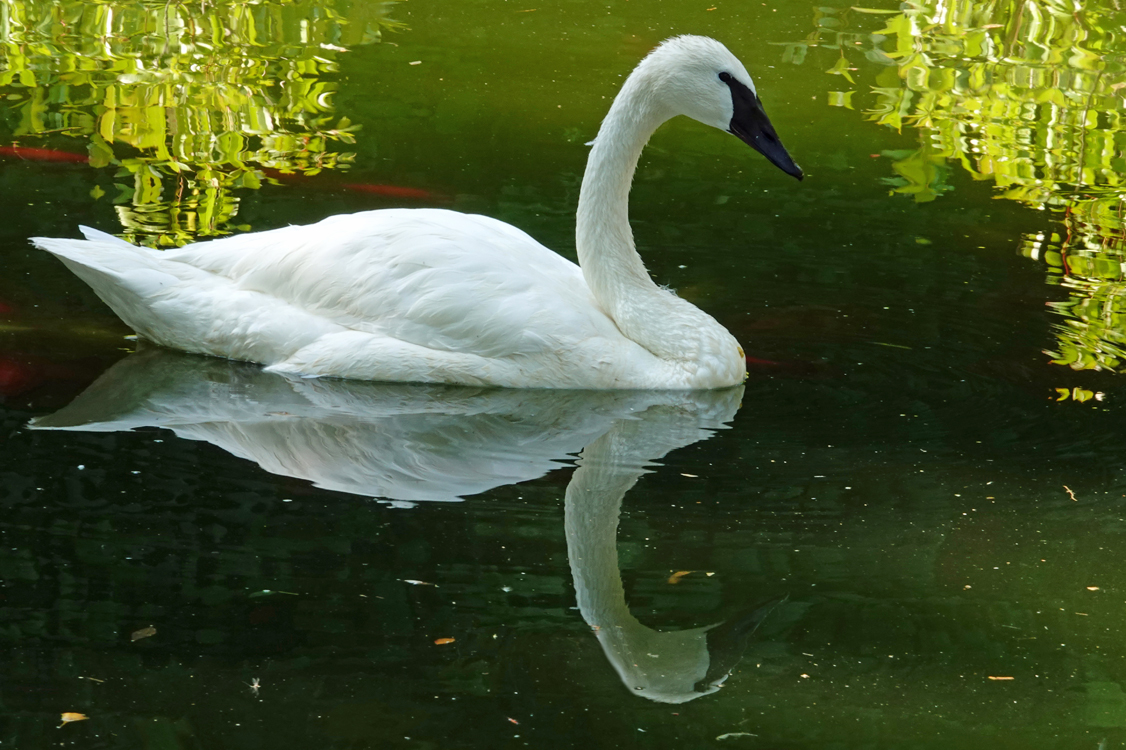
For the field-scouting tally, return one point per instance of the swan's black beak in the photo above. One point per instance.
(751, 125)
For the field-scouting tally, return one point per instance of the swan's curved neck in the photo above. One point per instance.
(603, 238)
(685, 338)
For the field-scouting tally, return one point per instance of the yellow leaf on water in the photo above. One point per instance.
(70, 716)
(1001, 678)
(143, 633)
(675, 577)
(443, 641)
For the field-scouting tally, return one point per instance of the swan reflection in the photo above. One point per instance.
(665, 666)
(410, 443)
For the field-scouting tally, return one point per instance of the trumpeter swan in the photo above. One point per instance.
(428, 295)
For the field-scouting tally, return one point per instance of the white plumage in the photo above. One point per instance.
(428, 295)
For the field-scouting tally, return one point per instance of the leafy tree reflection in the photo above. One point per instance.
(1028, 94)
(186, 102)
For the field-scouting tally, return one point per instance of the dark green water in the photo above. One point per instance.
(911, 499)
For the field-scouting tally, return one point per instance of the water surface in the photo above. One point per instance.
(907, 528)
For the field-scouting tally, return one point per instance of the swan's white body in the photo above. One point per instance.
(427, 295)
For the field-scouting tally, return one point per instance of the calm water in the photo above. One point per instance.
(908, 528)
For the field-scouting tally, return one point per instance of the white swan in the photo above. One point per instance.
(427, 295)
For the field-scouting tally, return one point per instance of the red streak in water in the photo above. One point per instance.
(387, 191)
(43, 154)
(15, 377)
(390, 191)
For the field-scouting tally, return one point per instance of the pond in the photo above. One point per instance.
(905, 530)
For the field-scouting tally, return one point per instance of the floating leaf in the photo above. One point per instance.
(443, 641)
(1001, 678)
(675, 577)
(268, 592)
(70, 716)
(148, 632)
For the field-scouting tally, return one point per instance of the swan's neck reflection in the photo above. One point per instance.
(666, 666)
(411, 443)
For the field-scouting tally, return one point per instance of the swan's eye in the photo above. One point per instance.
(725, 77)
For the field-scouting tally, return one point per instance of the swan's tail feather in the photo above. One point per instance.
(126, 277)
(173, 303)
(97, 235)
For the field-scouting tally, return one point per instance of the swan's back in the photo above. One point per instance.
(455, 282)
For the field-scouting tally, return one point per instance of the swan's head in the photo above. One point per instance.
(700, 78)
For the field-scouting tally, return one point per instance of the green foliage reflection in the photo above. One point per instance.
(187, 101)
(1028, 94)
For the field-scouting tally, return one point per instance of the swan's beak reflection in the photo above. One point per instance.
(751, 125)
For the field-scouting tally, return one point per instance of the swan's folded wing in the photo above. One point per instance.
(434, 278)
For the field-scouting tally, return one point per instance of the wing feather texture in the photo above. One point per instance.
(440, 279)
